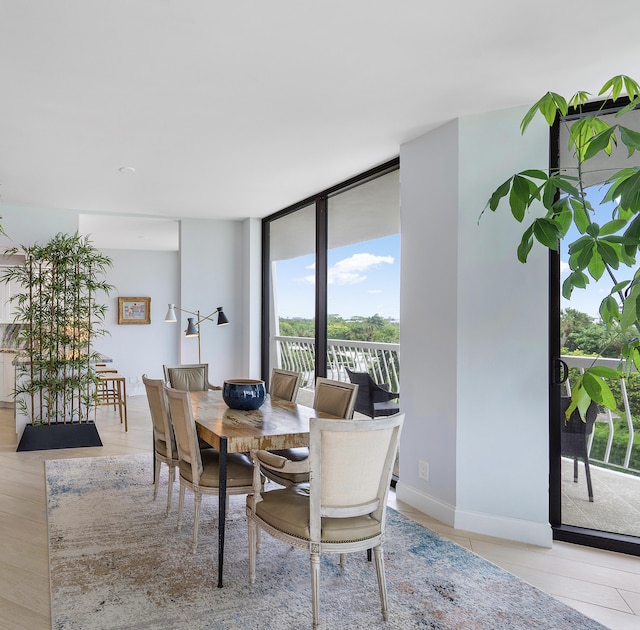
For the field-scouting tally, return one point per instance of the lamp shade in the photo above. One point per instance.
(171, 314)
(192, 330)
(222, 318)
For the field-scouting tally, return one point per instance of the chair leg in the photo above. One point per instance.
(382, 581)
(156, 478)
(252, 549)
(180, 505)
(343, 559)
(197, 500)
(315, 588)
(172, 477)
(588, 474)
(575, 470)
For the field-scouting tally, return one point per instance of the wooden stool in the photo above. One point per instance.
(112, 390)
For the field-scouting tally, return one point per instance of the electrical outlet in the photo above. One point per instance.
(423, 470)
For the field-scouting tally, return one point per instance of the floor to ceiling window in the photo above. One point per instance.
(331, 290)
(610, 517)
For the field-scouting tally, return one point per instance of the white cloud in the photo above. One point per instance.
(374, 291)
(564, 267)
(351, 270)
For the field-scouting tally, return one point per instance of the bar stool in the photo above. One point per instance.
(112, 390)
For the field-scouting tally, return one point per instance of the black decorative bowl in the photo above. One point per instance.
(243, 393)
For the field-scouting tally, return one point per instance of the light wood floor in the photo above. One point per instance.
(603, 585)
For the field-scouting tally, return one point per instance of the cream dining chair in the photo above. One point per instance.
(284, 384)
(290, 466)
(164, 441)
(189, 377)
(344, 510)
(199, 470)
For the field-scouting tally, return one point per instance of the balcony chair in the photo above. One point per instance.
(164, 442)
(192, 377)
(284, 384)
(199, 469)
(575, 438)
(290, 466)
(373, 399)
(344, 508)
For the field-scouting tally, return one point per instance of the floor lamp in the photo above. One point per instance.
(193, 327)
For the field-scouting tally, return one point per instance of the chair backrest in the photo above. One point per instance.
(575, 424)
(335, 397)
(162, 427)
(284, 384)
(350, 465)
(364, 400)
(192, 377)
(184, 427)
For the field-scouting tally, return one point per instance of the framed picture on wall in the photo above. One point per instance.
(134, 310)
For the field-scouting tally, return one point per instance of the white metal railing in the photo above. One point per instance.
(381, 360)
(581, 363)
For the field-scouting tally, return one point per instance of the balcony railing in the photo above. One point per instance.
(381, 360)
(607, 416)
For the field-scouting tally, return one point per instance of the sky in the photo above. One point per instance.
(588, 300)
(364, 280)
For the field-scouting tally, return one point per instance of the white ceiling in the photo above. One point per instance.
(238, 109)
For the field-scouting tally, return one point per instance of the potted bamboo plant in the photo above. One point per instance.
(60, 318)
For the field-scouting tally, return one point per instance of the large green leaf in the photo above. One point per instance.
(611, 227)
(582, 132)
(630, 308)
(580, 215)
(602, 141)
(499, 193)
(626, 187)
(608, 253)
(548, 106)
(630, 138)
(598, 389)
(596, 264)
(526, 243)
(546, 232)
(609, 310)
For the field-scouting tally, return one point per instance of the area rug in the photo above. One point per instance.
(116, 562)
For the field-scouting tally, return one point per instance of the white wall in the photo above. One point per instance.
(138, 349)
(211, 276)
(474, 333)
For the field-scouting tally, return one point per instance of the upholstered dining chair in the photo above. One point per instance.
(199, 470)
(164, 441)
(284, 384)
(189, 377)
(290, 466)
(344, 508)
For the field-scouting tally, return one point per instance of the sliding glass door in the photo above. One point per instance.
(595, 473)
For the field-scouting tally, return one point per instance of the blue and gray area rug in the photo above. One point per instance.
(117, 562)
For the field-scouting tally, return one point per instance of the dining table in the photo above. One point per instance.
(277, 424)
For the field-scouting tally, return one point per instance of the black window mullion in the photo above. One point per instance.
(321, 286)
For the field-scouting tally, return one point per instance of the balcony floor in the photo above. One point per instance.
(616, 500)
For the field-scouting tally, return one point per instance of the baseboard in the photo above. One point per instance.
(518, 530)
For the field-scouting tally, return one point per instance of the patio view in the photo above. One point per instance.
(614, 444)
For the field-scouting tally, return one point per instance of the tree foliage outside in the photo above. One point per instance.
(600, 250)
(374, 328)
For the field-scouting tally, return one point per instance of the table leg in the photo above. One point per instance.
(222, 506)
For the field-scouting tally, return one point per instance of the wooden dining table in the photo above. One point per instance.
(277, 424)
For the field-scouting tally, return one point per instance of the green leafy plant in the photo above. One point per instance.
(600, 249)
(60, 318)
